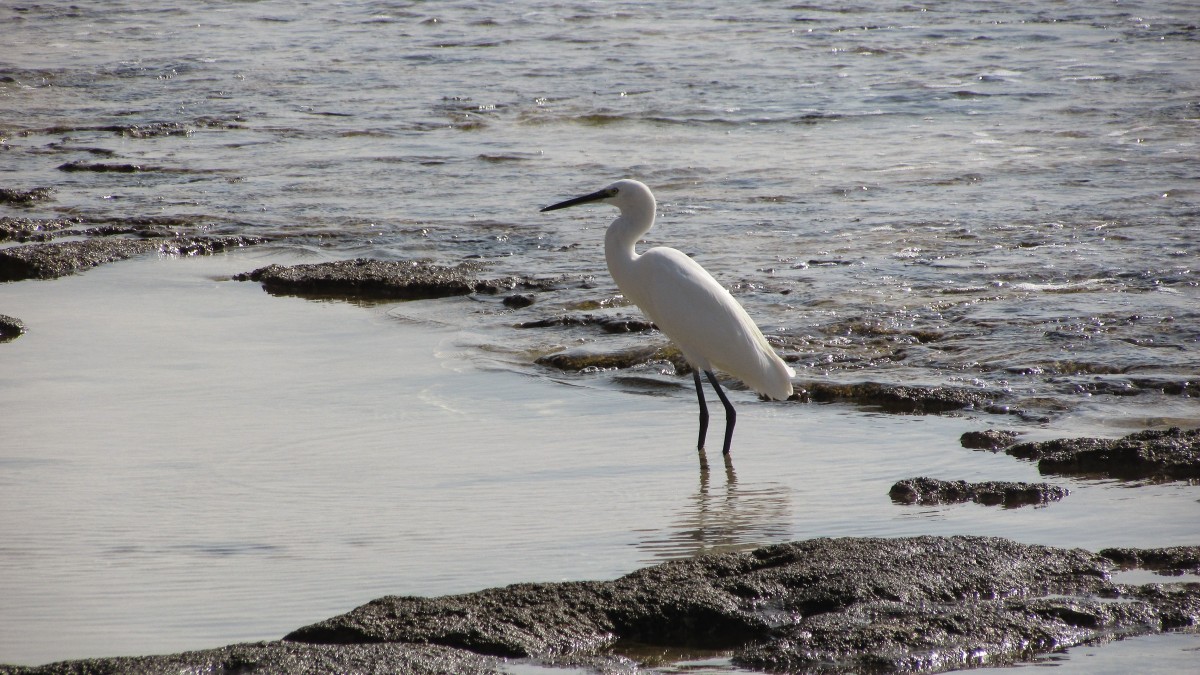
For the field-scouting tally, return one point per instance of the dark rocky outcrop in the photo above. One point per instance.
(888, 637)
(609, 324)
(518, 300)
(32, 229)
(1171, 454)
(989, 439)
(286, 657)
(1173, 560)
(101, 167)
(24, 197)
(593, 357)
(10, 328)
(57, 259)
(925, 490)
(917, 604)
(895, 398)
(363, 278)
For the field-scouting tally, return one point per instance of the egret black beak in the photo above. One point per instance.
(594, 197)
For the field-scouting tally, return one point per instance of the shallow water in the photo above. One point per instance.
(200, 463)
(1000, 196)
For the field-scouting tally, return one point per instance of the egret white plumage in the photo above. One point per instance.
(710, 328)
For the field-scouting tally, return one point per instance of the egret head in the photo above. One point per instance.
(623, 194)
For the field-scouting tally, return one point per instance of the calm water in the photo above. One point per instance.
(991, 195)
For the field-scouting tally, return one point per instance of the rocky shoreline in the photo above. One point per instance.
(88, 244)
(917, 604)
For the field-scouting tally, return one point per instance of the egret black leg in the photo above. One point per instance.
(730, 413)
(703, 410)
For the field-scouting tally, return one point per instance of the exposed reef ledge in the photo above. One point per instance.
(897, 398)
(925, 490)
(918, 604)
(367, 279)
(892, 398)
(284, 657)
(925, 604)
(60, 259)
(1161, 455)
(11, 328)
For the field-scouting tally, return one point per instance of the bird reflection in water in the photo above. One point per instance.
(737, 518)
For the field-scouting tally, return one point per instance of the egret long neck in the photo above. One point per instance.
(619, 241)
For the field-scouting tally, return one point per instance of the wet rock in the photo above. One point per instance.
(916, 604)
(989, 439)
(1122, 385)
(101, 167)
(380, 279)
(32, 229)
(1171, 387)
(594, 357)
(925, 490)
(518, 300)
(1169, 560)
(286, 657)
(53, 260)
(11, 328)
(1172, 454)
(143, 129)
(874, 330)
(609, 324)
(911, 604)
(625, 324)
(58, 259)
(24, 197)
(516, 621)
(896, 398)
(152, 130)
(190, 246)
(895, 637)
(1177, 605)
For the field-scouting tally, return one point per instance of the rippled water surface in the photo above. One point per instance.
(999, 196)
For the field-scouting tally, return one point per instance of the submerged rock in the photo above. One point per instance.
(518, 300)
(1171, 454)
(10, 328)
(363, 278)
(59, 259)
(24, 197)
(916, 604)
(101, 167)
(925, 490)
(609, 324)
(896, 398)
(594, 357)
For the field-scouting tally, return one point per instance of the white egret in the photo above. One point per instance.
(687, 304)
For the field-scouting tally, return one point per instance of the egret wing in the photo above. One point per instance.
(708, 325)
